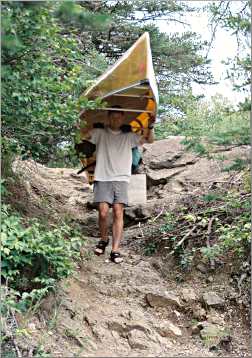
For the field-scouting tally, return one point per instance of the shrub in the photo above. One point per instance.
(33, 258)
(214, 122)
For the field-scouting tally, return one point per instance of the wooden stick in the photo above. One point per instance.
(209, 229)
(161, 212)
(12, 336)
(183, 239)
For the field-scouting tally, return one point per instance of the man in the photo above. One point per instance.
(112, 174)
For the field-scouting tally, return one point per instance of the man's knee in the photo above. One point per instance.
(103, 211)
(118, 211)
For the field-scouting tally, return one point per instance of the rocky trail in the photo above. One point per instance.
(142, 307)
(131, 310)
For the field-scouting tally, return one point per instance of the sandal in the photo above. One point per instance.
(116, 257)
(101, 247)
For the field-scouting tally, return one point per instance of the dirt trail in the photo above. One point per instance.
(135, 309)
(103, 312)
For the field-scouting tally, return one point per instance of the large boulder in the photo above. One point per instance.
(169, 166)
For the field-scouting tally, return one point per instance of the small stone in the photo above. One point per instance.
(162, 300)
(202, 268)
(167, 329)
(195, 329)
(199, 313)
(211, 299)
(210, 279)
(215, 317)
(32, 326)
(188, 294)
(178, 314)
(137, 339)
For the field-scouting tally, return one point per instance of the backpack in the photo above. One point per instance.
(136, 160)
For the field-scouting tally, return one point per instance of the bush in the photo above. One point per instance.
(214, 227)
(33, 259)
(216, 122)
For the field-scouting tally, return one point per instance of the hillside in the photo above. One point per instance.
(149, 305)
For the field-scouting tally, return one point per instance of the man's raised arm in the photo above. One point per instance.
(149, 134)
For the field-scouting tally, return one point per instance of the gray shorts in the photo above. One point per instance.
(111, 192)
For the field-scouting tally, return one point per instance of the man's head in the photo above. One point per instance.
(115, 118)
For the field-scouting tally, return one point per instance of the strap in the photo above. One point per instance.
(115, 254)
(86, 167)
(102, 244)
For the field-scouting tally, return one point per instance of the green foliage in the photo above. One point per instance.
(215, 226)
(237, 165)
(74, 14)
(150, 248)
(168, 223)
(177, 57)
(236, 20)
(33, 258)
(234, 237)
(212, 197)
(214, 122)
(52, 51)
(44, 71)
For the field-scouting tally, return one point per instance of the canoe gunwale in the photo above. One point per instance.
(138, 85)
(134, 85)
(124, 110)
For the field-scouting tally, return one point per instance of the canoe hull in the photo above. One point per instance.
(129, 83)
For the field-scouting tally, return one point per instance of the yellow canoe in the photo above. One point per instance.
(129, 83)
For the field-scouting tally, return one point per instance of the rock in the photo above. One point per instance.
(161, 176)
(172, 160)
(138, 213)
(31, 326)
(215, 317)
(195, 329)
(137, 325)
(209, 279)
(213, 334)
(178, 314)
(122, 327)
(199, 313)
(48, 305)
(165, 148)
(116, 326)
(137, 339)
(211, 299)
(188, 294)
(202, 268)
(162, 300)
(168, 329)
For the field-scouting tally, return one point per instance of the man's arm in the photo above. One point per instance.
(148, 137)
(149, 134)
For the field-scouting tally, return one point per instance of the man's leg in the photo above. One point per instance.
(103, 220)
(117, 226)
(103, 225)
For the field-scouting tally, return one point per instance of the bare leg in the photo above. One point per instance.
(117, 226)
(103, 220)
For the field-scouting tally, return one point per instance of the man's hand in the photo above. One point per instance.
(149, 136)
(151, 118)
(151, 121)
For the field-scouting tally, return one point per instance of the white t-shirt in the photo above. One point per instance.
(113, 154)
